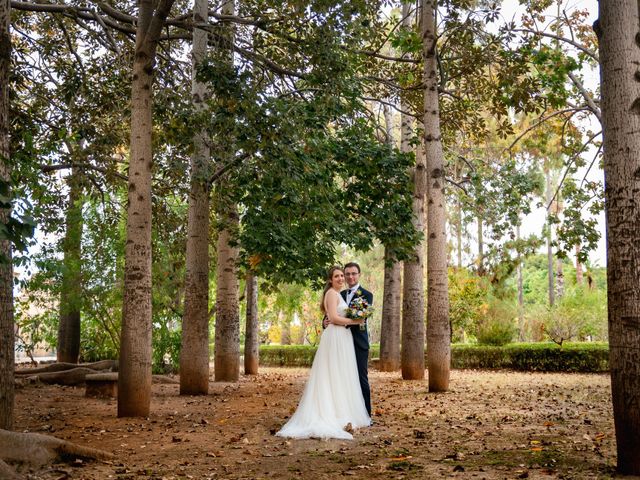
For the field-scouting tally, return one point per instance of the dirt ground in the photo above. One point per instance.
(490, 425)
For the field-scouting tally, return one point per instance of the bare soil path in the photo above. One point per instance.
(490, 425)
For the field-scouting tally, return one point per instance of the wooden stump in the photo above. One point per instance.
(102, 385)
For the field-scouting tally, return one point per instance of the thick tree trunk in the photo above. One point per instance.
(413, 314)
(194, 353)
(551, 282)
(251, 338)
(619, 42)
(438, 327)
(7, 355)
(390, 325)
(71, 295)
(227, 339)
(134, 381)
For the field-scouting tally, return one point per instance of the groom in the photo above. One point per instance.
(360, 337)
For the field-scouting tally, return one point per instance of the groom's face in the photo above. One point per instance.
(352, 276)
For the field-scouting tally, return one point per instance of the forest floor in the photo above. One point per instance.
(490, 425)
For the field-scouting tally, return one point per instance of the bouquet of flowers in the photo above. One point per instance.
(359, 309)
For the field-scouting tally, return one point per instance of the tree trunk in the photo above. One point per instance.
(579, 272)
(480, 247)
(520, 293)
(551, 282)
(458, 221)
(559, 266)
(194, 352)
(438, 327)
(559, 279)
(251, 336)
(227, 339)
(413, 315)
(71, 295)
(390, 324)
(7, 355)
(134, 381)
(619, 39)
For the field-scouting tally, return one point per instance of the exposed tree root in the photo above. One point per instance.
(67, 377)
(7, 473)
(36, 450)
(62, 366)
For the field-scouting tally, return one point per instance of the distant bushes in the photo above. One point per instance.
(542, 357)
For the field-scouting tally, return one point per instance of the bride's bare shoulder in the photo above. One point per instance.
(331, 294)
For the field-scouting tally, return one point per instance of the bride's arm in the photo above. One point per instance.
(331, 308)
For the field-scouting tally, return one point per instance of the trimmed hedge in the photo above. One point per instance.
(541, 357)
(532, 357)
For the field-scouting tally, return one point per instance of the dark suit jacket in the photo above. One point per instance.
(360, 337)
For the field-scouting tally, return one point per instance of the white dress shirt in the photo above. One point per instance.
(351, 291)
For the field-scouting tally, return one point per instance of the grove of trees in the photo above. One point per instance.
(176, 178)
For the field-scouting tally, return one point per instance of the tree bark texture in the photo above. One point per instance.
(413, 313)
(7, 355)
(71, 295)
(251, 338)
(618, 30)
(438, 327)
(194, 353)
(227, 338)
(390, 324)
(391, 316)
(134, 381)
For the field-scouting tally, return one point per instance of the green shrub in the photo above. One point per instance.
(543, 357)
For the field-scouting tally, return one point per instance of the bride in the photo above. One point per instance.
(332, 398)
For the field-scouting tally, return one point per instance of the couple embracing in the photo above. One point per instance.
(337, 391)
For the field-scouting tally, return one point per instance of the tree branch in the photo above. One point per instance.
(587, 96)
(580, 47)
(82, 166)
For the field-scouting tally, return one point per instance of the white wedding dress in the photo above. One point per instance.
(332, 397)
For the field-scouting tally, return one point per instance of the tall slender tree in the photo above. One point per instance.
(251, 338)
(227, 337)
(194, 352)
(618, 29)
(390, 322)
(134, 380)
(70, 297)
(438, 328)
(6, 268)
(550, 271)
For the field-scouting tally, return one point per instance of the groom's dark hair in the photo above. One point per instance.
(352, 264)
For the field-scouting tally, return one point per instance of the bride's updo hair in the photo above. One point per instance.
(327, 285)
